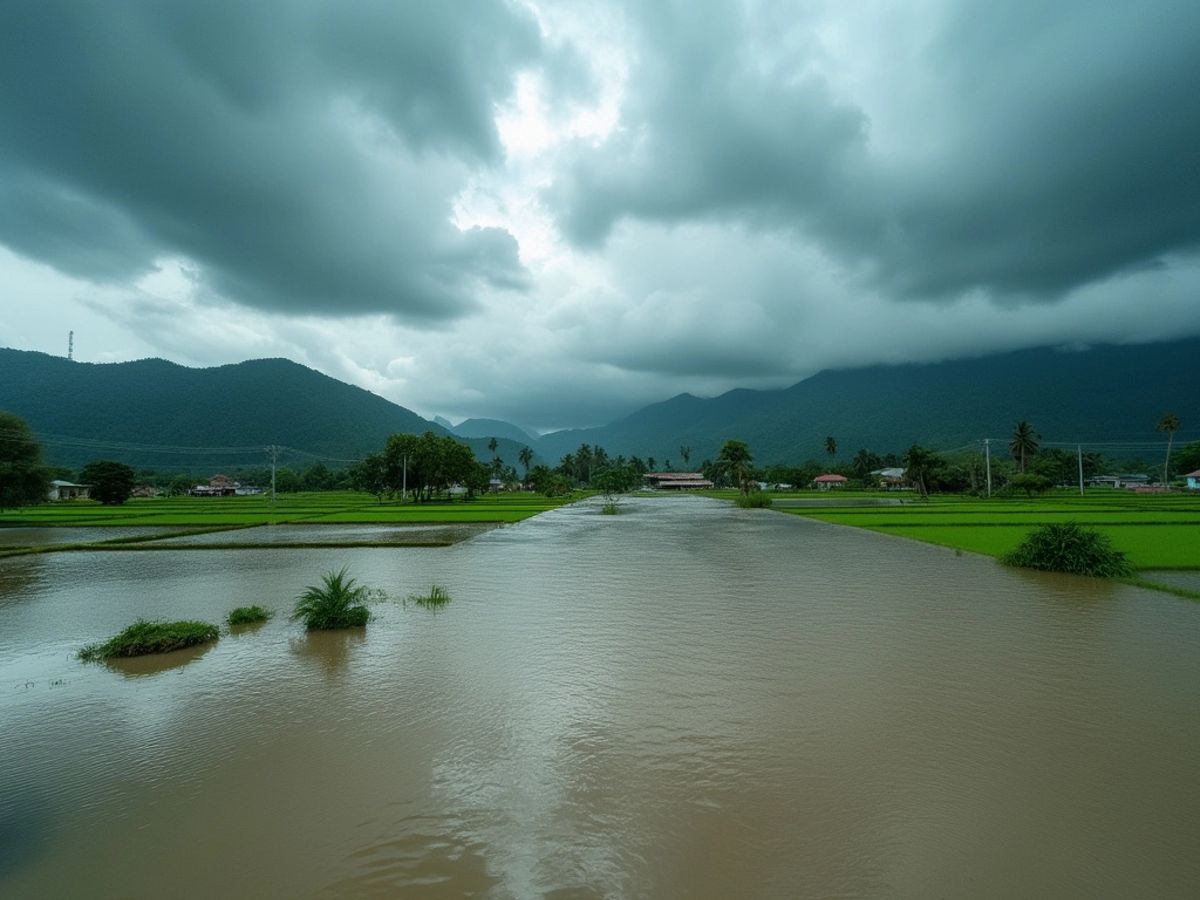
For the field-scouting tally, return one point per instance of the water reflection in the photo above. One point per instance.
(330, 650)
(156, 663)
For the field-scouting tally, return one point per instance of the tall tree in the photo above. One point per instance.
(1168, 424)
(23, 480)
(1024, 443)
(526, 457)
(686, 453)
(920, 463)
(734, 461)
(111, 482)
(865, 462)
(493, 444)
(831, 446)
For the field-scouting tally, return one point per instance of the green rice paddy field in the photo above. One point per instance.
(337, 507)
(1156, 531)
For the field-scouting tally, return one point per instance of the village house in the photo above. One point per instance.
(67, 490)
(829, 481)
(676, 481)
(1193, 480)
(218, 486)
(891, 479)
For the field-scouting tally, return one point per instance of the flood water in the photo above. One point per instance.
(683, 700)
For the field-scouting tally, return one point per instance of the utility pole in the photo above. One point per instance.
(1079, 457)
(274, 451)
(70, 346)
(404, 481)
(987, 451)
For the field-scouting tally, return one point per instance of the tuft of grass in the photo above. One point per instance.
(337, 602)
(143, 637)
(610, 508)
(437, 597)
(248, 615)
(1070, 547)
(753, 500)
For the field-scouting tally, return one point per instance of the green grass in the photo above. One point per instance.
(1154, 531)
(753, 500)
(248, 615)
(327, 507)
(437, 597)
(142, 638)
(610, 508)
(337, 602)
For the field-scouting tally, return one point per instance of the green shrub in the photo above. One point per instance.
(437, 597)
(248, 615)
(144, 637)
(610, 508)
(753, 500)
(1069, 547)
(338, 602)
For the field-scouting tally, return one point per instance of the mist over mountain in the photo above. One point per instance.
(1104, 393)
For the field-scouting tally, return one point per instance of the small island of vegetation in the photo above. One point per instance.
(338, 602)
(144, 637)
(248, 615)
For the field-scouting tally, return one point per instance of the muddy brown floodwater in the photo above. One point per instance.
(683, 700)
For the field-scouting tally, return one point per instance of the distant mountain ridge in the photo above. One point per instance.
(492, 428)
(1093, 394)
(152, 402)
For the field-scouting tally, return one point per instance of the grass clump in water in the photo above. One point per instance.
(248, 615)
(610, 508)
(337, 602)
(143, 637)
(1069, 547)
(753, 500)
(437, 597)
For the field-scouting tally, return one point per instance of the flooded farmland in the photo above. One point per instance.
(683, 700)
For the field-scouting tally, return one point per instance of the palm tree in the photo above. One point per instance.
(1170, 425)
(493, 444)
(864, 461)
(526, 457)
(1024, 443)
(831, 446)
(686, 453)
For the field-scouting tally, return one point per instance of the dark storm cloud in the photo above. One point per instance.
(1047, 145)
(303, 157)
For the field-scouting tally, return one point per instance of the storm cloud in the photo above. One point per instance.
(1038, 147)
(305, 159)
(556, 212)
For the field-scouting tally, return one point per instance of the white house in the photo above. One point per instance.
(66, 490)
(1193, 480)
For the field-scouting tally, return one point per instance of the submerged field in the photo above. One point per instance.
(145, 523)
(1155, 531)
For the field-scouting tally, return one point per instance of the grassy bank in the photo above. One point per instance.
(1154, 531)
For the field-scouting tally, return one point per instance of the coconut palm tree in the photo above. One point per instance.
(686, 453)
(919, 464)
(1024, 443)
(831, 446)
(526, 457)
(1169, 424)
(493, 444)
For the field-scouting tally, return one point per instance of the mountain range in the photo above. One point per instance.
(156, 413)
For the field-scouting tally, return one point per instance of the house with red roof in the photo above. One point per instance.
(826, 482)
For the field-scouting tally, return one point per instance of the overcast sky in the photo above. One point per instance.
(556, 212)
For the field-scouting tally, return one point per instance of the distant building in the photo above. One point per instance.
(829, 481)
(890, 479)
(145, 490)
(1119, 481)
(1193, 480)
(676, 481)
(218, 486)
(67, 490)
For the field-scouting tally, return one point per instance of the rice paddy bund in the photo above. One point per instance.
(140, 524)
(1155, 531)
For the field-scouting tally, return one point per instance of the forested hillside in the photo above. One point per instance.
(1105, 393)
(81, 409)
